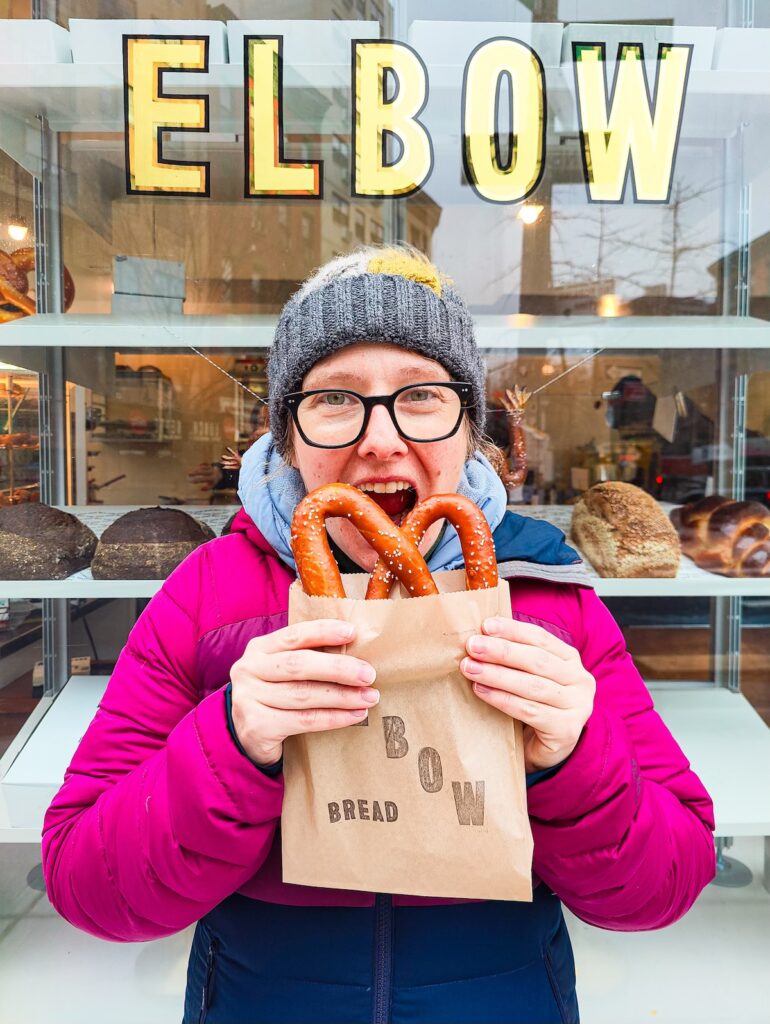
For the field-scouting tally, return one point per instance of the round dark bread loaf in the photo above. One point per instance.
(38, 542)
(147, 544)
(229, 524)
(725, 536)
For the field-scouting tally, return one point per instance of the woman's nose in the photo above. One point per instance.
(381, 439)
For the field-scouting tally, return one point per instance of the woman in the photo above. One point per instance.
(170, 811)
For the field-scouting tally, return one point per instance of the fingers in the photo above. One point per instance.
(317, 633)
(524, 684)
(305, 665)
(529, 633)
(526, 647)
(261, 729)
(288, 656)
(556, 729)
(522, 658)
(292, 723)
(313, 695)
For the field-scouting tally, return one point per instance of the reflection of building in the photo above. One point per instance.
(579, 298)
(422, 217)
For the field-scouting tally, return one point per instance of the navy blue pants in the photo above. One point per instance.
(261, 963)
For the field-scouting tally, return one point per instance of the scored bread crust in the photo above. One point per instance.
(624, 533)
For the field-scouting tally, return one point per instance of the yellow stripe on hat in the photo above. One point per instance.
(393, 262)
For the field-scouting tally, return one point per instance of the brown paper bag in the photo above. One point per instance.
(428, 797)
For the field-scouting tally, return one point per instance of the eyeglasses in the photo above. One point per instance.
(337, 418)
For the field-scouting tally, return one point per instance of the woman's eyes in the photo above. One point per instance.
(333, 400)
(419, 396)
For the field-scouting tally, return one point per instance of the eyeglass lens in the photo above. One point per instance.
(425, 412)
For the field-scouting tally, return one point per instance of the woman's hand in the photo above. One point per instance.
(282, 686)
(526, 672)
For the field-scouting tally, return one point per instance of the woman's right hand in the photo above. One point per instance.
(282, 686)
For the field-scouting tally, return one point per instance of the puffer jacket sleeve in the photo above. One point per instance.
(160, 816)
(623, 831)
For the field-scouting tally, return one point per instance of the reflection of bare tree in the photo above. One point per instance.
(685, 242)
(594, 225)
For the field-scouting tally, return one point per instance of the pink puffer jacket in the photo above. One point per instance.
(161, 817)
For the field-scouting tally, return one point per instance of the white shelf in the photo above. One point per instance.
(725, 740)
(690, 581)
(123, 333)
(33, 767)
(728, 745)
(513, 332)
(82, 584)
(522, 331)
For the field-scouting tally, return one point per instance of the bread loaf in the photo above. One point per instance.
(38, 542)
(725, 536)
(624, 533)
(147, 544)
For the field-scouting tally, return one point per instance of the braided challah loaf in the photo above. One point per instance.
(725, 536)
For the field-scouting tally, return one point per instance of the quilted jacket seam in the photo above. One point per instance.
(226, 789)
(605, 759)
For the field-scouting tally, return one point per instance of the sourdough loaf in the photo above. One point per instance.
(623, 532)
(147, 544)
(38, 542)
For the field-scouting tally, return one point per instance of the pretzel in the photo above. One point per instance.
(14, 284)
(316, 566)
(514, 403)
(472, 529)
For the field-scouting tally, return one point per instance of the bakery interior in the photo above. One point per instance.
(561, 289)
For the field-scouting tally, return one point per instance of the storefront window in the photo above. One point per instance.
(135, 331)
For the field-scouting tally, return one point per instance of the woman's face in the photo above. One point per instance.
(381, 456)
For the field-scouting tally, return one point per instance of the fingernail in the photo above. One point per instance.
(366, 674)
(480, 688)
(360, 713)
(491, 625)
(477, 645)
(346, 631)
(370, 696)
(470, 667)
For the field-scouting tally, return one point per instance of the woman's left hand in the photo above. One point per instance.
(529, 674)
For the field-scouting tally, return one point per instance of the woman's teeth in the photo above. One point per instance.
(386, 488)
(395, 497)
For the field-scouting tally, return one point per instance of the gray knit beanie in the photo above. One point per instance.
(379, 294)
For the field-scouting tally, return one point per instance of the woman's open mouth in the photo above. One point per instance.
(395, 497)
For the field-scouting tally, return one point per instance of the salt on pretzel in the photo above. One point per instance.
(475, 539)
(317, 568)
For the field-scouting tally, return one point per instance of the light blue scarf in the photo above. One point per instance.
(270, 491)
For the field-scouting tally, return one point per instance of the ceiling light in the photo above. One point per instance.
(609, 305)
(529, 212)
(17, 229)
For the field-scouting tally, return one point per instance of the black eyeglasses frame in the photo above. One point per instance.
(461, 388)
